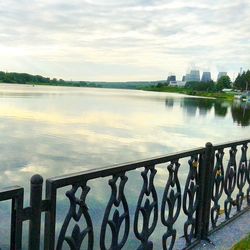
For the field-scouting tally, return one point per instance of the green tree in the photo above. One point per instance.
(223, 83)
(241, 81)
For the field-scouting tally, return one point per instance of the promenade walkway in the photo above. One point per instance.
(229, 235)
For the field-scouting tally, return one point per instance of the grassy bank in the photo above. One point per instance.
(186, 91)
(243, 244)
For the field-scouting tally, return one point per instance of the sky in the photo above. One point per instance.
(124, 40)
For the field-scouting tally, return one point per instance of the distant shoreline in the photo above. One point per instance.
(116, 85)
(182, 90)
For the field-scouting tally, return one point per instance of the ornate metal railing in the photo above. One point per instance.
(212, 190)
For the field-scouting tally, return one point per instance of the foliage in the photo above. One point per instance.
(241, 81)
(13, 77)
(243, 244)
(223, 83)
(24, 78)
(201, 86)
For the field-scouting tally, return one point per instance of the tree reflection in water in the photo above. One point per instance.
(220, 109)
(240, 111)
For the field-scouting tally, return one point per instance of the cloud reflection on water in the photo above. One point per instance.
(66, 132)
(82, 128)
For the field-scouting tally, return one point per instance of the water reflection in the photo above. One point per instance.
(56, 130)
(240, 111)
(220, 108)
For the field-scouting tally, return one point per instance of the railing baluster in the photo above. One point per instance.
(146, 209)
(117, 198)
(230, 181)
(241, 176)
(190, 198)
(217, 185)
(77, 236)
(170, 199)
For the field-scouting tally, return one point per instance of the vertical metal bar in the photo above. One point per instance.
(16, 221)
(36, 184)
(19, 220)
(50, 217)
(13, 225)
(208, 175)
(199, 212)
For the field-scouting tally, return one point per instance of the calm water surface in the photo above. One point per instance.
(60, 130)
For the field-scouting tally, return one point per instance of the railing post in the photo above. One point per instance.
(16, 221)
(36, 184)
(207, 181)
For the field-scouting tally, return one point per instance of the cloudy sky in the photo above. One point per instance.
(123, 39)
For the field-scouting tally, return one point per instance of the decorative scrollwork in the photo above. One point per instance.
(241, 176)
(217, 184)
(76, 239)
(146, 209)
(230, 181)
(171, 199)
(190, 198)
(117, 198)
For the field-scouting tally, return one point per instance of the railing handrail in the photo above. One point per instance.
(230, 144)
(65, 180)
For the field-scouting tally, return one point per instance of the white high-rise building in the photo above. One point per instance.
(206, 77)
(193, 76)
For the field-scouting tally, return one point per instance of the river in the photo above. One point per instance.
(58, 130)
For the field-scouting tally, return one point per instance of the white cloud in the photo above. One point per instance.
(122, 40)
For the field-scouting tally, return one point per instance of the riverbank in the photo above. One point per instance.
(186, 91)
(243, 244)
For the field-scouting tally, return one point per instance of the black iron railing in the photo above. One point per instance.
(215, 190)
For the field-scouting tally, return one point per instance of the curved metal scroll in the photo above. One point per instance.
(230, 181)
(190, 198)
(172, 200)
(218, 182)
(146, 209)
(77, 236)
(241, 176)
(117, 197)
(248, 180)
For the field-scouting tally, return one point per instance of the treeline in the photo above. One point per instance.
(13, 77)
(223, 83)
(24, 78)
(242, 81)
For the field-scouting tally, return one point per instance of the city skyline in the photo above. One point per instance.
(197, 75)
(123, 40)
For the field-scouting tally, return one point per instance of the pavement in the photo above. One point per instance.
(229, 235)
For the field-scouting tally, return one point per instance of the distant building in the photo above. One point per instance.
(221, 74)
(206, 77)
(187, 77)
(177, 83)
(193, 76)
(171, 78)
(184, 78)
